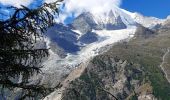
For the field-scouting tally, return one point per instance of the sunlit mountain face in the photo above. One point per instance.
(93, 36)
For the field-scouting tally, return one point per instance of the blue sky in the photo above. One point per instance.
(157, 8)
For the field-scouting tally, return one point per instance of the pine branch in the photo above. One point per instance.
(18, 55)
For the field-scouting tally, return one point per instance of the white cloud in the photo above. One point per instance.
(49, 1)
(16, 3)
(93, 6)
(72, 6)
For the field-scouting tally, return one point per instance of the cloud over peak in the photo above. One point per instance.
(90, 5)
(71, 8)
(76, 7)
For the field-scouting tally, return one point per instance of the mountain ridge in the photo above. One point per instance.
(92, 36)
(145, 28)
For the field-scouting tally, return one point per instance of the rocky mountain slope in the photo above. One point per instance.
(117, 55)
(80, 41)
(127, 56)
(128, 71)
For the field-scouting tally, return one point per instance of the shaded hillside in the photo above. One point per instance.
(130, 70)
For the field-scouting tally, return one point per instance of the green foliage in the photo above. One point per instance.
(146, 53)
(134, 97)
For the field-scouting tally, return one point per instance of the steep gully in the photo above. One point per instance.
(57, 95)
(164, 62)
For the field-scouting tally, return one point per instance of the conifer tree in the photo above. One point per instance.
(18, 55)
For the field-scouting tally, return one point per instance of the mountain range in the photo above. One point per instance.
(118, 55)
(107, 55)
(92, 34)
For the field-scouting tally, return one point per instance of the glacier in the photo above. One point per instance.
(91, 34)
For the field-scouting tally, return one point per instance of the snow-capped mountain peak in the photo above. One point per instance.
(84, 31)
(148, 22)
(91, 34)
(112, 20)
(128, 18)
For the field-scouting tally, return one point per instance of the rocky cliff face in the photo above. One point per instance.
(87, 22)
(109, 78)
(84, 23)
(104, 78)
(114, 22)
